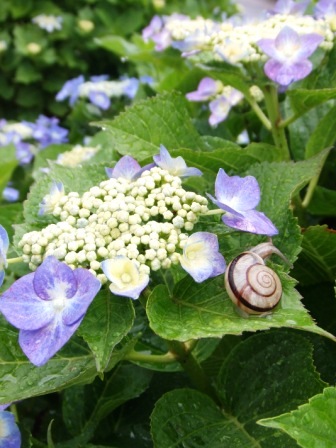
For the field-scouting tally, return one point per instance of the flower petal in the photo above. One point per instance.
(40, 345)
(201, 257)
(10, 436)
(54, 279)
(126, 167)
(239, 193)
(252, 221)
(100, 99)
(205, 90)
(88, 287)
(174, 165)
(23, 308)
(4, 240)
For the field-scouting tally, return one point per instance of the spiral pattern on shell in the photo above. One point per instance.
(251, 285)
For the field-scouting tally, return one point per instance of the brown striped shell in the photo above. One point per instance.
(252, 286)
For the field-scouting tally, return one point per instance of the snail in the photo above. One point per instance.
(252, 286)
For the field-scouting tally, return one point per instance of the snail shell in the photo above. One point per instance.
(252, 286)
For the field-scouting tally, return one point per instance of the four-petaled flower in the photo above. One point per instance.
(48, 306)
(4, 243)
(221, 106)
(289, 54)
(10, 436)
(207, 88)
(50, 200)
(174, 165)
(238, 196)
(127, 280)
(201, 257)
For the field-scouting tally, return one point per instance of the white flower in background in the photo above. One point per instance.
(125, 276)
(21, 129)
(86, 25)
(48, 22)
(33, 48)
(77, 155)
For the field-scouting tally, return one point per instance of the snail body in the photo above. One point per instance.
(252, 286)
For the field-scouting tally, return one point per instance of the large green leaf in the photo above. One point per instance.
(323, 202)
(19, 379)
(323, 135)
(141, 129)
(312, 425)
(317, 261)
(204, 310)
(10, 214)
(107, 321)
(262, 375)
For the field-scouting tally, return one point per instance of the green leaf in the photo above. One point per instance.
(303, 100)
(10, 214)
(205, 310)
(312, 424)
(267, 374)
(7, 166)
(186, 418)
(142, 128)
(20, 379)
(317, 261)
(262, 375)
(323, 135)
(107, 321)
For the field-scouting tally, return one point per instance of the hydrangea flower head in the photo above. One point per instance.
(4, 244)
(291, 7)
(48, 22)
(238, 196)
(201, 257)
(49, 201)
(126, 168)
(10, 436)
(157, 33)
(289, 54)
(207, 88)
(48, 306)
(127, 280)
(47, 131)
(174, 165)
(70, 90)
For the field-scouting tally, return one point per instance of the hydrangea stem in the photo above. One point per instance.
(135, 356)
(273, 110)
(183, 354)
(260, 114)
(14, 260)
(217, 211)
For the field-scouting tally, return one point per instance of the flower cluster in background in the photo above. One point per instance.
(98, 90)
(30, 137)
(49, 23)
(291, 38)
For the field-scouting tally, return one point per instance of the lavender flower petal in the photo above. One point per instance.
(176, 166)
(100, 99)
(126, 168)
(10, 436)
(207, 88)
(252, 221)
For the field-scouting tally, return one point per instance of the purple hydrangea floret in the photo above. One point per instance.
(289, 54)
(201, 257)
(70, 90)
(156, 32)
(131, 87)
(4, 244)
(238, 196)
(47, 131)
(10, 436)
(290, 7)
(99, 99)
(48, 306)
(174, 165)
(325, 9)
(126, 167)
(10, 194)
(206, 89)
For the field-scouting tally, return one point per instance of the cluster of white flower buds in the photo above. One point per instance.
(76, 155)
(146, 220)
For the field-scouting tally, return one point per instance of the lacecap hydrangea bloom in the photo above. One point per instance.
(48, 306)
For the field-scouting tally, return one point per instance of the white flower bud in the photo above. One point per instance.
(178, 222)
(91, 255)
(188, 226)
(155, 264)
(71, 257)
(102, 278)
(102, 252)
(95, 265)
(73, 246)
(150, 254)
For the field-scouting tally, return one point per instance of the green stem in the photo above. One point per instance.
(14, 260)
(273, 110)
(284, 123)
(310, 191)
(259, 113)
(217, 211)
(135, 356)
(192, 368)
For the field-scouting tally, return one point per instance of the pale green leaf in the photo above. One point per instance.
(323, 135)
(312, 425)
(303, 100)
(8, 162)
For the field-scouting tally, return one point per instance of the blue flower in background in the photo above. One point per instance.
(47, 131)
(4, 244)
(48, 306)
(10, 436)
(70, 90)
